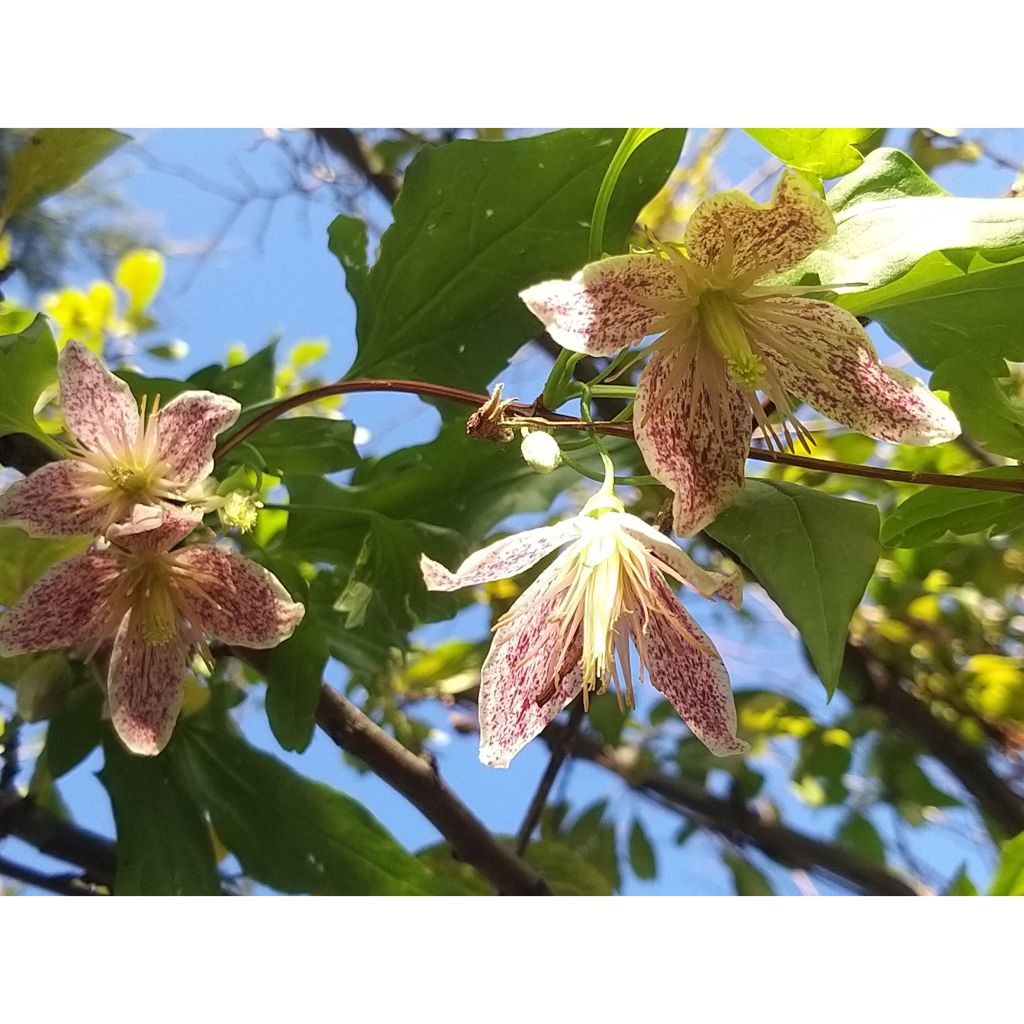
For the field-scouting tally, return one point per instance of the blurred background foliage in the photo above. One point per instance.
(920, 748)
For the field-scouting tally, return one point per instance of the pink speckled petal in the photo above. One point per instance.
(501, 560)
(525, 664)
(145, 687)
(237, 600)
(96, 403)
(698, 455)
(601, 310)
(151, 529)
(692, 678)
(772, 236)
(53, 502)
(706, 583)
(826, 358)
(63, 607)
(188, 427)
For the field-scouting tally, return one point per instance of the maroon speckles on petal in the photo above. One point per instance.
(601, 310)
(846, 381)
(188, 426)
(237, 600)
(693, 679)
(794, 223)
(145, 687)
(501, 560)
(699, 457)
(95, 402)
(527, 678)
(63, 607)
(53, 502)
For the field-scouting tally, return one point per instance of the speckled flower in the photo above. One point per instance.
(158, 605)
(727, 334)
(122, 463)
(570, 630)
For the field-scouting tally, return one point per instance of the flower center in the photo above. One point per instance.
(723, 329)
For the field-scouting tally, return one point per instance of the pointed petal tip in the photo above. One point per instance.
(435, 575)
(493, 756)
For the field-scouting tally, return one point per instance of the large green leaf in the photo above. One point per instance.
(26, 558)
(934, 511)
(294, 672)
(951, 304)
(164, 847)
(986, 413)
(293, 834)
(475, 223)
(302, 444)
(889, 215)
(28, 364)
(825, 152)
(50, 160)
(1009, 877)
(813, 553)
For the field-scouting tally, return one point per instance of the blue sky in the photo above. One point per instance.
(271, 274)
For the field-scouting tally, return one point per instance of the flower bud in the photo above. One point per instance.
(541, 451)
(240, 510)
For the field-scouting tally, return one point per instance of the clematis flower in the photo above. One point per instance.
(158, 605)
(122, 463)
(570, 630)
(727, 333)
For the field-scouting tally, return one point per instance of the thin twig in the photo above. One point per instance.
(62, 885)
(537, 413)
(559, 752)
(419, 783)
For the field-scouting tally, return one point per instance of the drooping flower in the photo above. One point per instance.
(121, 461)
(570, 630)
(158, 604)
(727, 333)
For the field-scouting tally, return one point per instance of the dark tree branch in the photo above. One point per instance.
(419, 783)
(559, 752)
(742, 824)
(879, 685)
(349, 146)
(62, 885)
(22, 818)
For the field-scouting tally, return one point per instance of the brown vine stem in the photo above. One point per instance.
(536, 413)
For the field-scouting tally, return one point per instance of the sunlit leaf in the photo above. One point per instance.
(825, 152)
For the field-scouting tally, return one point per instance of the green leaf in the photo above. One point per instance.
(294, 672)
(52, 159)
(346, 238)
(641, 852)
(889, 215)
(962, 885)
(951, 304)
(825, 152)
(859, 836)
(985, 412)
(934, 511)
(748, 880)
(477, 222)
(28, 364)
(565, 870)
(248, 382)
(76, 730)
(164, 846)
(303, 444)
(293, 834)
(813, 553)
(26, 558)
(1009, 878)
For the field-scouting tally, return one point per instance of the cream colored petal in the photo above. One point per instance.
(693, 678)
(527, 678)
(55, 501)
(693, 437)
(602, 309)
(97, 405)
(823, 355)
(772, 236)
(705, 582)
(501, 560)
